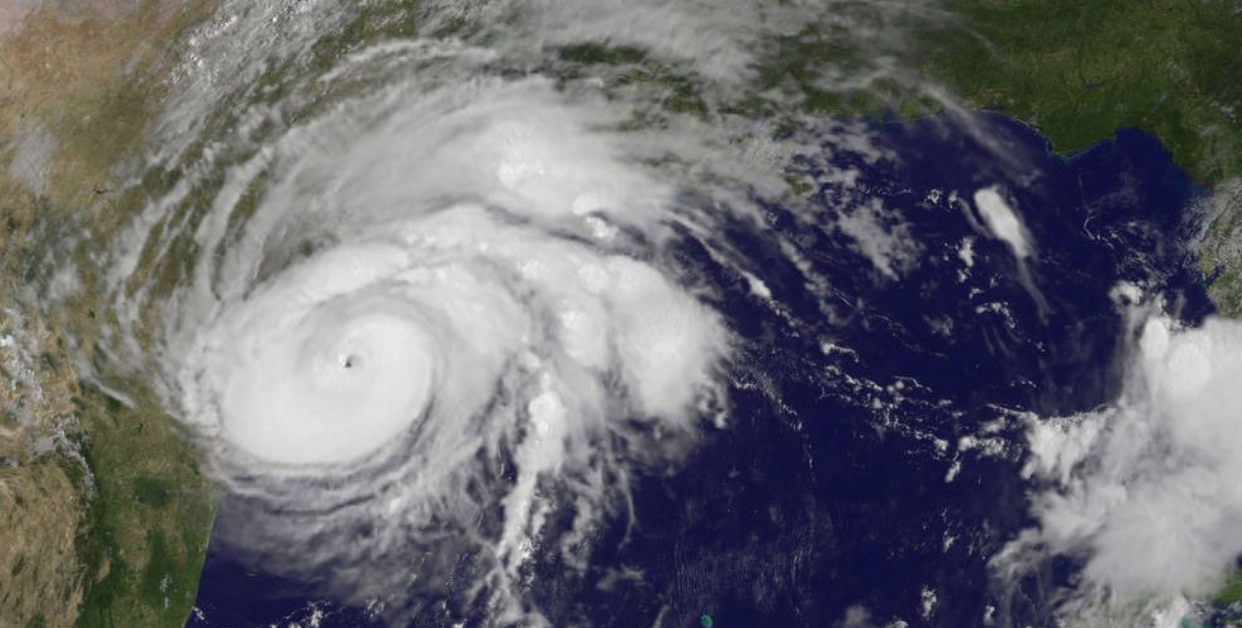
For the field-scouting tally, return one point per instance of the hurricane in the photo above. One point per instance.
(480, 293)
(458, 313)
(431, 301)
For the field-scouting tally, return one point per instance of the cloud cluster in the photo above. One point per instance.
(430, 287)
(1149, 491)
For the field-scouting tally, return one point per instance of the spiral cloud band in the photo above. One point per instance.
(344, 352)
(464, 278)
(420, 308)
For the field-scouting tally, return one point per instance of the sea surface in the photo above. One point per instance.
(892, 353)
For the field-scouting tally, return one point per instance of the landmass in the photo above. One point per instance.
(1078, 71)
(104, 517)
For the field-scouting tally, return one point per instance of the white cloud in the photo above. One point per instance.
(1149, 491)
(1003, 221)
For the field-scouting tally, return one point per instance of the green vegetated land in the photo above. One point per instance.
(150, 497)
(1078, 71)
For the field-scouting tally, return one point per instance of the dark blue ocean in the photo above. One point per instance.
(830, 488)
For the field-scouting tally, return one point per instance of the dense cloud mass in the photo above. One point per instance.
(1147, 489)
(472, 293)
